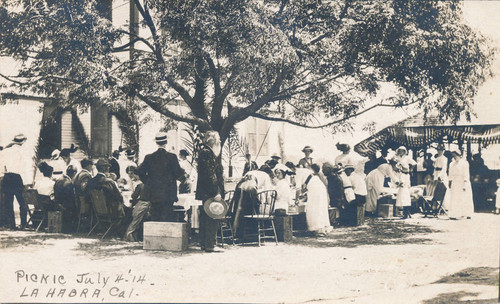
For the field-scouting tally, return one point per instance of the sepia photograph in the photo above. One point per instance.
(250, 151)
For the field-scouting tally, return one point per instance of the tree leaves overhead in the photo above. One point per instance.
(231, 59)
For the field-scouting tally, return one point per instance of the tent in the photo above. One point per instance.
(418, 132)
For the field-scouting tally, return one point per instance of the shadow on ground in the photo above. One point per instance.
(21, 239)
(458, 297)
(374, 232)
(472, 275)
(113, 248)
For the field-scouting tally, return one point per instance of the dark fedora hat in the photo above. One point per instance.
(215, 208)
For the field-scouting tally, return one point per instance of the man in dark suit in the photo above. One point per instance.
(109, 187)
(82, 178)
(210, 184)
(80, 182)
(250, 165)
(159, 172)
(64, 197)
(114, 164)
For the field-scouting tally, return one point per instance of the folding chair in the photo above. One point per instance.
(435, 205)
(225, 223)
(38, 212)
(105, 213)
(84, 210)
(262, 214)
(427, 197)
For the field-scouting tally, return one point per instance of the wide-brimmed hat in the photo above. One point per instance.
(402, 148)
(19, 139)
(55, 154)
(161, 138)
(307, 148)
(337, 169)
(215, 208)
(130, 153)
(348, 166)
(275, 155)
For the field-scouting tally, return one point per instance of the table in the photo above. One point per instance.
(188, 202)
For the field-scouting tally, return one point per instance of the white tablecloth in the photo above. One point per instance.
(187, 201)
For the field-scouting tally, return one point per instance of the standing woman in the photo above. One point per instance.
(403, 165)
(317, 217)
(210, 185)
(461, 203)
(403, 199)
(344, 158)
(307, 160)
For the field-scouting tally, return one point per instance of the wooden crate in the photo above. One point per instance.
(284, 228)
(165, 236)
(54, 222)
(385, 210)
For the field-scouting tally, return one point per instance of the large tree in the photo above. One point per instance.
(228, 60)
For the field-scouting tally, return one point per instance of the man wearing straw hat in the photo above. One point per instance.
(12, 183)
(159, 172)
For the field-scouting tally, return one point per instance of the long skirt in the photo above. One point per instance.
(317, 206)
(461, 203)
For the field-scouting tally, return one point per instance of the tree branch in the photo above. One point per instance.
(299, 124)
(164, 111)
(136, 39)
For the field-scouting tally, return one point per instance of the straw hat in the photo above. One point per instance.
(307, 148)
(161, 138)
(19, 139)
(215, 208)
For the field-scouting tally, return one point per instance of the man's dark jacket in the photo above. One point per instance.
(111, 192)
(115, 167)
(210, 175)
(335, 190)
(159, 172)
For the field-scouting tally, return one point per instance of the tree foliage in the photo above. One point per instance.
(228, 60)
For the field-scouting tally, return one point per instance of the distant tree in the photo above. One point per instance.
(228, 60)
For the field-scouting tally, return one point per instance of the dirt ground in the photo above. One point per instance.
(420, 260)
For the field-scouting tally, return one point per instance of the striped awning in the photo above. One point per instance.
(422, 136)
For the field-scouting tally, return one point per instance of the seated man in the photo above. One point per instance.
(64, 197)
(113, 196)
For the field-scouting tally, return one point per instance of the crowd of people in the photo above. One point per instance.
(334, 193)
(133, 192)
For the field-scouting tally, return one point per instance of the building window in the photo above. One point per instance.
(258, 141)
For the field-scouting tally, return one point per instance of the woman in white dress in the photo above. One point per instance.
(284, 193)
(461, 203)
(317, 217)
(404, 163)
(440, 168)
